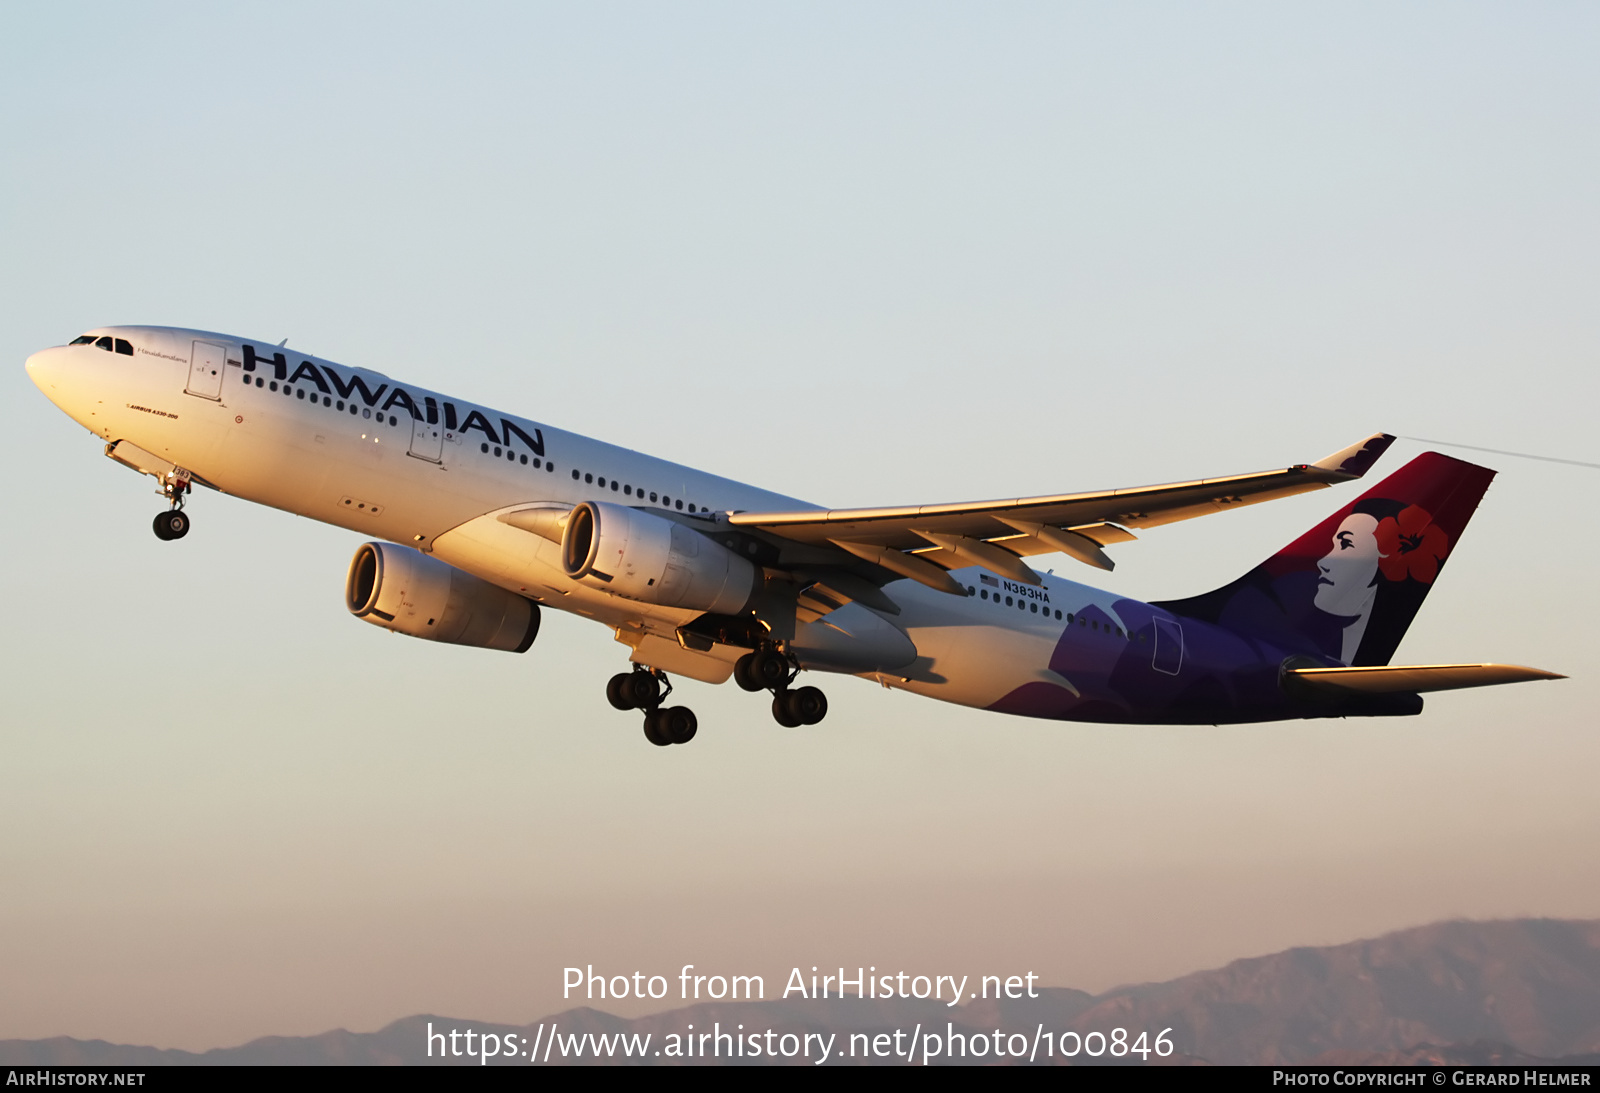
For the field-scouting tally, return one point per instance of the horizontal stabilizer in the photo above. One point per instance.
(1413, 678)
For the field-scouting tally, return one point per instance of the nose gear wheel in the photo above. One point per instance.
(174, 523)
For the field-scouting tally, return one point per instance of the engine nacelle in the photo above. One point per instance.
(404, 590)
(633, 553)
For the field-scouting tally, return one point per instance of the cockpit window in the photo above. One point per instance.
(121, 345)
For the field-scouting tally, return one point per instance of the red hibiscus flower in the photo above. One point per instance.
(1411, 546)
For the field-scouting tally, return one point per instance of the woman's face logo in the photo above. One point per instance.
(1345, 584)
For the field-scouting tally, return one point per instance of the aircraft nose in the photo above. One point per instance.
(48, 372)
(39, 368)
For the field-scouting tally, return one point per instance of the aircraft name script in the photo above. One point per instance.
(328, 381)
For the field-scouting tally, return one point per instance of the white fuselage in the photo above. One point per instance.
(394, 462)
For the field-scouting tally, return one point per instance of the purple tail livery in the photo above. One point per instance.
(1300, 635)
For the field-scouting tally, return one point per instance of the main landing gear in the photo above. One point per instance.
(644, 689)
(767, 669)
(174, 523)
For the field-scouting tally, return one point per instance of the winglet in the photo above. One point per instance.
(1356, 460)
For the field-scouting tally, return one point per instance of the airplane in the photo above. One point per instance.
(479, 519)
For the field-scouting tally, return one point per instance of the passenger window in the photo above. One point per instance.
(124, 347)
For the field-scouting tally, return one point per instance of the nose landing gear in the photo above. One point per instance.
(174, 523)
(768, 669)
(644, 689)
(171, 525)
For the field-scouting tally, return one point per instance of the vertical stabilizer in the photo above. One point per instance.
(1348, 588)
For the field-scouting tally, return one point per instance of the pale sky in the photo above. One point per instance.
(859, 254)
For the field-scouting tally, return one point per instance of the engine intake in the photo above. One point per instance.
(404, 590)
(641, 556)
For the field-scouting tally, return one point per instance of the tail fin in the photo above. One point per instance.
(1348, 588)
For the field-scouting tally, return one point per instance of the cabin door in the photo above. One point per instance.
(427, 441)
(1169, 647)
(205, 370)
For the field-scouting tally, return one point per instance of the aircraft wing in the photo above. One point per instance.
(924, 542)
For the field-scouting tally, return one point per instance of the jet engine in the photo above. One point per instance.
(636, 554)
(404, 590)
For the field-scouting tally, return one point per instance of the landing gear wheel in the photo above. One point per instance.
(745, 676)
(618, 691)
(780, 711)
(643, 690)
(655, 729)
(673, 725)
(806, 705)
(678, 723)
(770, 668)
(172, 524)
